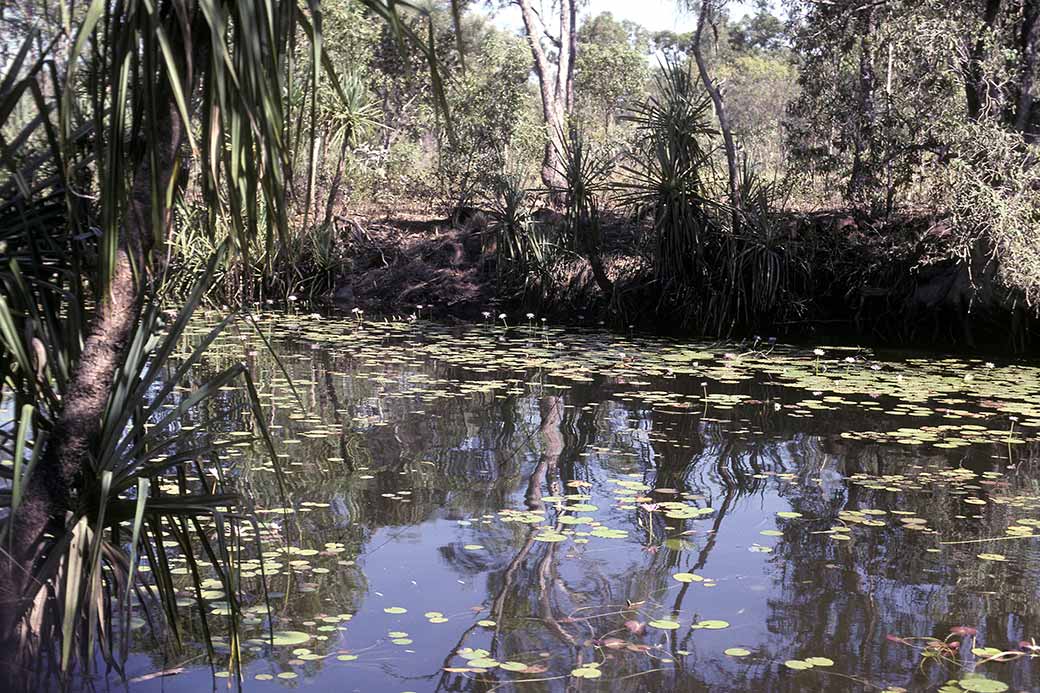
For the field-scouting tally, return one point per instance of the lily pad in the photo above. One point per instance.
(798, 664)
(981, 685)
(663, 624)
(284, 638)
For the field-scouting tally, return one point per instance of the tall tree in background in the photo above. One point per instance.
(554, 56)
(611, 67)
(709, 12)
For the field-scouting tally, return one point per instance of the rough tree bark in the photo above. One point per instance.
(704, 18)
(1029, 45)
(52, 489)
(977, 90)
(555, 80)
(862, 176)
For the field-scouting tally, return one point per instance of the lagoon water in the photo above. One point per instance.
(532, 509)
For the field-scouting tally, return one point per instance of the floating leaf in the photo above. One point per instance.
(513, 666)
(737, 652)
(992, 557)
(588, 671)
(820, 661)
(985, 651)
(711, 625)
(289, 637)
(982, 685)
(664, 624)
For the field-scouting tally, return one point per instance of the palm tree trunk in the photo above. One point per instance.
(53, 487)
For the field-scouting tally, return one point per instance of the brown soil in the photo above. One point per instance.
(892, 283)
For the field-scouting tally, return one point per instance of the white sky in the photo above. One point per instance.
(656, 15)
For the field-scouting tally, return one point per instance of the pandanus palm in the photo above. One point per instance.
(102, 126)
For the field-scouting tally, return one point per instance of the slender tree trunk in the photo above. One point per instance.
(570, 36)
(1030, 47)
(733, 169)
(543, 473)
(862, 174)
(976, 89)
(555, 82)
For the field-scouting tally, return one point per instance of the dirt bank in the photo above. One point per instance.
(892, 283)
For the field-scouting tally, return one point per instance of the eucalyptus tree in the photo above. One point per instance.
(709, 13)
(554, 52)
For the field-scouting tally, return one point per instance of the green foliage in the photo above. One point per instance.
(925, 107)
(717, 278)
(521, 244)
(761, 32)
(991, 196)
(150, 477)
(759, 87)
(489, 104)
(610, 71)
(585, 172)
(92, 184)
(670, 175)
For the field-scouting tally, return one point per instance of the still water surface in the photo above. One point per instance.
(534, 509)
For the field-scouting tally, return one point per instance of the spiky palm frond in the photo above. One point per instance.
(95, 130)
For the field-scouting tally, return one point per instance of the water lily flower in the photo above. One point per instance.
(818, 351)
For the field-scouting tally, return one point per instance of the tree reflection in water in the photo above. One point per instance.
(416, 459)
